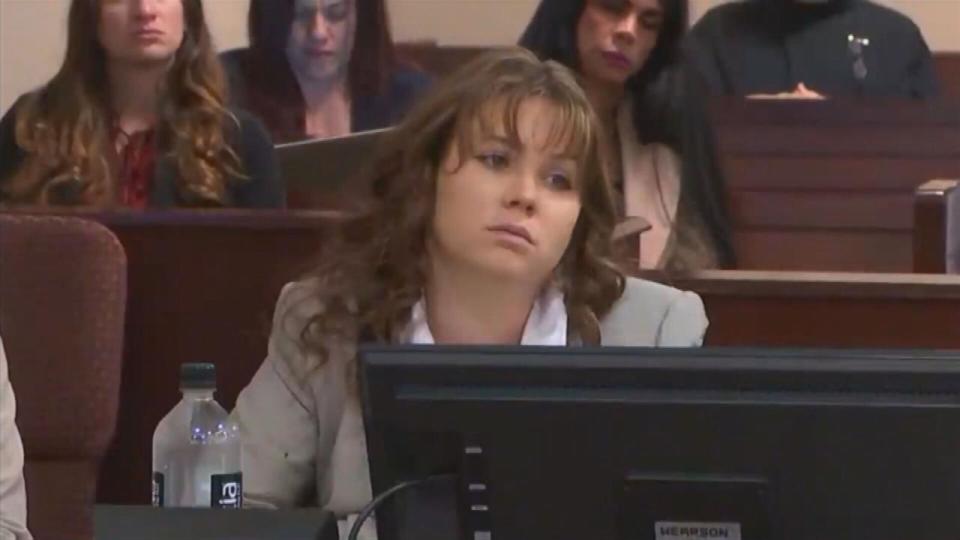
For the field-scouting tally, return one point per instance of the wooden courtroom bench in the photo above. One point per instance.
(812, 186)
(826, 186)
(831, 186)
(201, 288)
(816, 309)
(831, 181)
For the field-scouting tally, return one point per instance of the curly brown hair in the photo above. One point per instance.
(374, 270)
(64, 127)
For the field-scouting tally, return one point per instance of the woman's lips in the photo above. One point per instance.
(616, 59)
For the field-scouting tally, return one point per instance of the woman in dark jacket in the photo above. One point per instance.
(136, 117)
(321, 68)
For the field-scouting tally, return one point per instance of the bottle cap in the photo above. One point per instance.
(198, 377)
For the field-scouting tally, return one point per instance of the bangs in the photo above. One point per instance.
(568, 125)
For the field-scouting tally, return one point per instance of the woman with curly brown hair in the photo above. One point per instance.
(489, 222)
(136, 117)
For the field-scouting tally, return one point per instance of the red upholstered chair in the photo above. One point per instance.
(62, 301)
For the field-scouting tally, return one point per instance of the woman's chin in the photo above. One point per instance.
(510, 267)
(321, 70)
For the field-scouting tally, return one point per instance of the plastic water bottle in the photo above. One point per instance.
(196, 448)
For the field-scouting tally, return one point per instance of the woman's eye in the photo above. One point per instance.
(306, 13)
(652, 21)
(494, 160)
(559, 181)
(612, 6)
(335, 12)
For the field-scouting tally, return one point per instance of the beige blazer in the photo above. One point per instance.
(13, 498)
(289, 424)
(652, 190)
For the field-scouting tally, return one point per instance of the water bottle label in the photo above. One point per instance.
(157, 490)
(226, 490)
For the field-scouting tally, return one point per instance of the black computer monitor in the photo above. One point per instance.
(667, 444)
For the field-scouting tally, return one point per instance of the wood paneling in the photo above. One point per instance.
(830, 186)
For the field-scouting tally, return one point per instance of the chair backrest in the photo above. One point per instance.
(62, 302)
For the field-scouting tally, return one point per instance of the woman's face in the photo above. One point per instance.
(141, 31)
(509, 208)
(615, 38)
(321, 38)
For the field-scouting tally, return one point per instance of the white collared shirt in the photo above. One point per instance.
(546, 325)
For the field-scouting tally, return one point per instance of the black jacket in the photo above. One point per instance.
(261, 187)
(769, 46)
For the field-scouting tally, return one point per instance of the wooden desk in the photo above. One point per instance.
(202, 287)
(812, 309)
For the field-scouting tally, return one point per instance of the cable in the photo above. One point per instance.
(372, 505)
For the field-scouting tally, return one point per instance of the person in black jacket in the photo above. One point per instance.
(136, 117)
(812, 48)
(321, 68)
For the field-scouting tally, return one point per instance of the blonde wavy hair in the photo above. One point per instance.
(374, 270)
(64, 128)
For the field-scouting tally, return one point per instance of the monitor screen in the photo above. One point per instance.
(664, 444)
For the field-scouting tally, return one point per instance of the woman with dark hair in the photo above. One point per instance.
(663, 160)
(489, 221)
(321, 68)
(136, 117)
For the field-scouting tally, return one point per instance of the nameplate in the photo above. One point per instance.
(686, 530)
